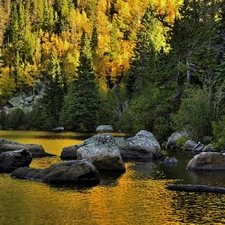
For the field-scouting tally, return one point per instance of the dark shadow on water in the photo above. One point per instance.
(139, 160)
(54, 135)
(74, 187)
(109, 178)
(215, 178)
(70, 135)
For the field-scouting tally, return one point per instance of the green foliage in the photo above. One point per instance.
(2, 118)
(113, 108)
(39, 119)
(151, 109)
(106, 112)
(52, 101)
(219, 133)
(195, 114)
(181, 141)
(82, 103)
(14, 119)
(43, 39)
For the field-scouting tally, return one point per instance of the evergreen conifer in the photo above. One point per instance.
(54, 95)
(82, 102)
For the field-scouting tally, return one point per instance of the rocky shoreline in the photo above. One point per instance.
(102, 152)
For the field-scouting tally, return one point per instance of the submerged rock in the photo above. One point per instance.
(68, 172)
(207, 161)
(142, 146)
(170, 161)
(12, 160)
(35, 149)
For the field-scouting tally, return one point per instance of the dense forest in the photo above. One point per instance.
(134, 64)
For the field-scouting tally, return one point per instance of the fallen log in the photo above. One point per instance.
(195, 188)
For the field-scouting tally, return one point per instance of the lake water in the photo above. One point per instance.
(136, 197)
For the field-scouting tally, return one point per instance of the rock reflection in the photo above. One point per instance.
(208, 178)
(109, 178)
(135, 197)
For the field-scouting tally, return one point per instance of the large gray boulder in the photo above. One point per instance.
(103, 151)
(35, 149)
(142, 146)
(12, 160)
(171, 141)
(207, 161)
(68, 172)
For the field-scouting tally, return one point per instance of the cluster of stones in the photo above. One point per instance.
(26, 99)
(206, 157)
(101, 152)
(189, 145)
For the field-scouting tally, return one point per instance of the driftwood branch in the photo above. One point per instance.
(195, 188)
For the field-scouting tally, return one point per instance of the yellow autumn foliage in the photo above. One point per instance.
(116, 23)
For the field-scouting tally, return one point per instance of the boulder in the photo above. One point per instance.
(58, 129)
(207, 161)
(170, 161)
(16, 101)
(103, 151)
(171, 141)
(69, 152)
(199, 147)
(29, 99)
(104, 129)
(210, 148)
(68, 172)
(142, 146)
(206, 140)
(12, 160)
(193, 146)
(189, 145)
(35, 149)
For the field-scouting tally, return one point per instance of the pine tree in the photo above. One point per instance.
(143, 66)
(147, 82)
(82, 103)
(53, 98)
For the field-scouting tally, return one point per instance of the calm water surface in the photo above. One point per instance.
(135, 197)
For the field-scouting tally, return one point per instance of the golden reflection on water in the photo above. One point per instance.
(126, 201)
(135, 197)
(52, 142)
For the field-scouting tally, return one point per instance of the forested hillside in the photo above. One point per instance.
(135, 64)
